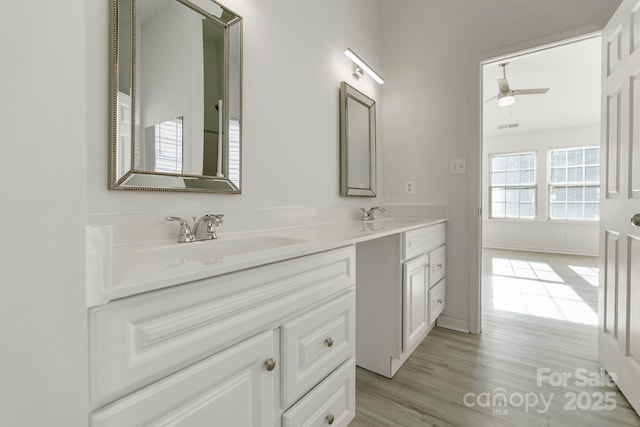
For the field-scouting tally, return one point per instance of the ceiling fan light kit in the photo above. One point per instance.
(506, 99)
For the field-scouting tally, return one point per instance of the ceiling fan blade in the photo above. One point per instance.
(530, 91)
(503, 85)
(493, 98)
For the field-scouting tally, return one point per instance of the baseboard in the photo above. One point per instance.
(453, 323)
(539, 250)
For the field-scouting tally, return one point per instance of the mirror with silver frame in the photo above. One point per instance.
(176, 96)
(357, 143)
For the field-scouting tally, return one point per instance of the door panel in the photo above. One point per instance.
(633, 275)
(611, 292)
(613, 143)
(634, 141)
(619, 291)
(614, 51)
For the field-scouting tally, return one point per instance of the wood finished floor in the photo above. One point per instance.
(527, 299)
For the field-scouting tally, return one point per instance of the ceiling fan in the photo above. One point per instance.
(507, 96)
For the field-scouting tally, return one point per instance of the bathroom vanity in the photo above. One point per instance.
(260, 329)
(401, 293)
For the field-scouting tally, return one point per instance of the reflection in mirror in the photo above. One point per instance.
(177, 96)
(358, 142)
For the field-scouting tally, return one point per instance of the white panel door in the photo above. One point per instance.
(415, 310)
(619, 292)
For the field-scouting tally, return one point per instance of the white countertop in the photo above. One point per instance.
(145, 267)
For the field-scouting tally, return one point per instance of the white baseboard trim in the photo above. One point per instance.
(453, 323)
(541, 250)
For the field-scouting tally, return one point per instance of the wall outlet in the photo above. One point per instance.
(409, 187)
(458, 166)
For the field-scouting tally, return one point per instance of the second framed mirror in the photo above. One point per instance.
(357, 143)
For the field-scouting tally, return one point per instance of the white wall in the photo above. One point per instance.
(539, 234)
(431, 53)
(293, 65)
(43, 360)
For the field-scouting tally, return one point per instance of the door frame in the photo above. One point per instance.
(532, 46)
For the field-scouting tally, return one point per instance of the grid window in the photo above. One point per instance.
(574, 183)
(168, 146)
(513, 185)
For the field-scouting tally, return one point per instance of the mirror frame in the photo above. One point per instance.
(348, 189)
(139, 180)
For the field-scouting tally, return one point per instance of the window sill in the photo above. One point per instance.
(585, 223)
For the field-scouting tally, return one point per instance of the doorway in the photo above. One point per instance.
(541, 175)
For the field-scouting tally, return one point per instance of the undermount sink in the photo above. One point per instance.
(394, 222)
(219, 248)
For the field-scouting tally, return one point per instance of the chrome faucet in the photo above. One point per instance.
(188, 234)
(367, 215)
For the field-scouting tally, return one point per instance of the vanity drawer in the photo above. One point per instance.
(437, 265)
(436, 301)
(315, 343)
(332, 402)
(422, 240)
(138, 340)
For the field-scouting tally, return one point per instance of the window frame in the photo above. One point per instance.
(574, 184)
(519, 186)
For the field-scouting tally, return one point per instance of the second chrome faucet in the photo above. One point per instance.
(367, 215)
(188, 234)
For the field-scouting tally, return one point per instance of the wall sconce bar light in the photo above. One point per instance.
(360, 65)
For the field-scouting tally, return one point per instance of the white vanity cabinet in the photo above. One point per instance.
(257, 347)
(401, 293)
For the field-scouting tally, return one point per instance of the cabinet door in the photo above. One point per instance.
(232, 388)
(415, 309)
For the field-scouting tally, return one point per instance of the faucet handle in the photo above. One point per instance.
(185, 234)
(178, 219)
(216, 219)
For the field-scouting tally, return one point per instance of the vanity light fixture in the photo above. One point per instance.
(359, 65)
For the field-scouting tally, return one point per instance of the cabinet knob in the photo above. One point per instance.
(440, 265)
(329, 342)
(270, 364)
(439, 300)
(330, 419)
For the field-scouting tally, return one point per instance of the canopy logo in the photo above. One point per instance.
(500, 400)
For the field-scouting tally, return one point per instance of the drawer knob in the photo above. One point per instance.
(330, 419)
(270, 364)
(329, 342)
(439, 300)
(440, 265)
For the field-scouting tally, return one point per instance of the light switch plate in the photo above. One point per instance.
(458, 166)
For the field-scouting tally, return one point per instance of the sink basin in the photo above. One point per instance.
(211, 249)
(392, 222)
